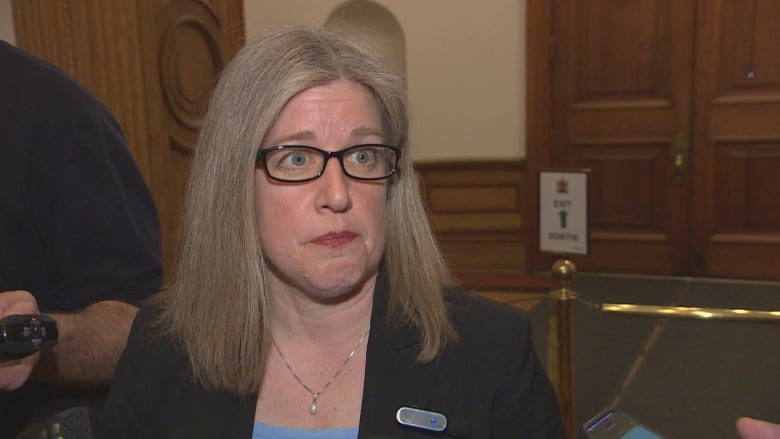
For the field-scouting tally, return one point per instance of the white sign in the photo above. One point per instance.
(563, 211)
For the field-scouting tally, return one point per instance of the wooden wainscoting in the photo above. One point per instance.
(476, 210)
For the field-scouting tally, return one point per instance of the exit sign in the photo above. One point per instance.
(563, 211)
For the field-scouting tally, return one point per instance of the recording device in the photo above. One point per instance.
(615, 424)
(24, 334)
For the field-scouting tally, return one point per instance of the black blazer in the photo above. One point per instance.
(491, 385)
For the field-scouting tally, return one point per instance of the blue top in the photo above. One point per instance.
(265, 431)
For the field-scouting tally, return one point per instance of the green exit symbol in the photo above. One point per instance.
(563, 214)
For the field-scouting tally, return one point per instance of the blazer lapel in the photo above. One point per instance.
(393, 378)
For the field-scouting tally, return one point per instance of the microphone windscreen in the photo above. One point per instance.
(73, 423)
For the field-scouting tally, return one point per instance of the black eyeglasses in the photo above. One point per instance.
(299, 163)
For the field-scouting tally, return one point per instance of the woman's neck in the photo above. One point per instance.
(298, 317)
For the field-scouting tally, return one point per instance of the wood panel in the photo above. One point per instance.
(187, 43)
(475, 209)
(625, 180)
(737, 155)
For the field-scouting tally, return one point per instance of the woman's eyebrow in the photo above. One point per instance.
(297, 136)
(367, 131)
(308, 135)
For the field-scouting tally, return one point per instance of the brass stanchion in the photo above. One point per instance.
(560, 361)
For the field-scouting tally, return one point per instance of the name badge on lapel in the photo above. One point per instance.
(422, 419)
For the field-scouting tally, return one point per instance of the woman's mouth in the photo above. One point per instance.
(335, 240)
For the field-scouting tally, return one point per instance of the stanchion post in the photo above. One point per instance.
(560, 360)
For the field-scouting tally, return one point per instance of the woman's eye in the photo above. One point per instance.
(363, 157)
(295, 158)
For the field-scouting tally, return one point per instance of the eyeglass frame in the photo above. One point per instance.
(262, 153)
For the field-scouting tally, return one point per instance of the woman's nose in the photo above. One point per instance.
(334, 188)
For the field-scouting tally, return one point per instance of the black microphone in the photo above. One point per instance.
(73, 423)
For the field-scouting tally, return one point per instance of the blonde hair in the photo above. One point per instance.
(217, 308)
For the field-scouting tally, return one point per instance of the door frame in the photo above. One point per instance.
(539, 47)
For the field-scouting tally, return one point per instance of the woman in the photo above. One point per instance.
(310, 299)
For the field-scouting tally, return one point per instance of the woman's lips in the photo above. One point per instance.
(335, 240)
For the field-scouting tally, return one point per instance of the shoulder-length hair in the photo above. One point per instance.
(217, 308)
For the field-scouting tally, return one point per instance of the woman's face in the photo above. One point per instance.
(323, 238)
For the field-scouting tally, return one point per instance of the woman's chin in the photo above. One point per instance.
(335, 292)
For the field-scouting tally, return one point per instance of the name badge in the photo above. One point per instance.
(422, 419)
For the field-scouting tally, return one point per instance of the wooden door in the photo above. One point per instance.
(153, 63)
(187, 43)
(736, 159)
(673, 105)
(620, 77)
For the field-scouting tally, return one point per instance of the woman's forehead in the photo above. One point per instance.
(338, 108)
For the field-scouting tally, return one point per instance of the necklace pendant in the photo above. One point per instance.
(313, 407)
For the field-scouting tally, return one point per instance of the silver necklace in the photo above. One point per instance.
(313, 409)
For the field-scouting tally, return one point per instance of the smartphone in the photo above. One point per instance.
(615, 424)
